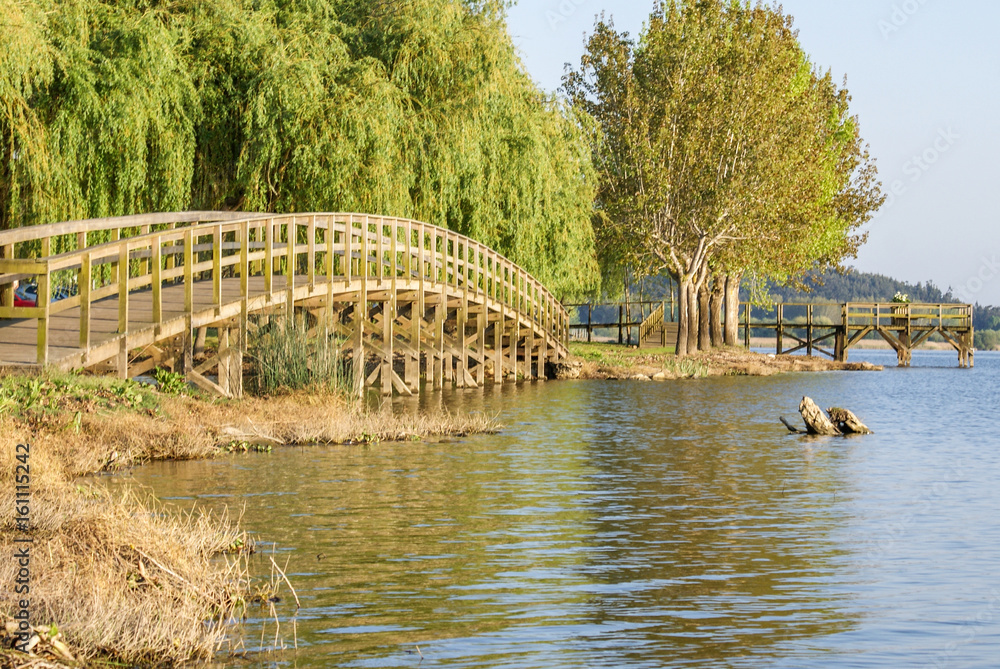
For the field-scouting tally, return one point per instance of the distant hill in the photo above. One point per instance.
(859, 287)
(865, 287)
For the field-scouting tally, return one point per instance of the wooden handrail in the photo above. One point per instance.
(655, 320)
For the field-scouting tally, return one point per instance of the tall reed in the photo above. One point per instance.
(284, 355)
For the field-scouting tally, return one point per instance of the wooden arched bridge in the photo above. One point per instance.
(408, 300)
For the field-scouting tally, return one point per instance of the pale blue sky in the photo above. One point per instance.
(925, 81)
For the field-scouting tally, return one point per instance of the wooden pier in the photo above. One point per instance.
(830, 329)
(834, 329)
(407, 300)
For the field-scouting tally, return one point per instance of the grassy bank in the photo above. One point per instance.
(612, 361)
(117, 578)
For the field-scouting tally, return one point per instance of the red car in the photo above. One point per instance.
(26, 295)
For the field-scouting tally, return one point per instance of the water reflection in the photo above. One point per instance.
(610, 524)
(720, 531)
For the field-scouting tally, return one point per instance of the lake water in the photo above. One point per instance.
(627, 524)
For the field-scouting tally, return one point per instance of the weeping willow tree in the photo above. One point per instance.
(98, 112)
(417, 108)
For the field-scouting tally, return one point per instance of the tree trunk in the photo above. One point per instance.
(704, 318)
(683, 287)
(732, 309)
(692, 319)
(715, 307)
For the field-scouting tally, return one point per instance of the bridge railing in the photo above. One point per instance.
(150, 251)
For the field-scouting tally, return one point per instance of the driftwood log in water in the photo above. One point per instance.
(816, 421)
(840, 421)
(847, 422)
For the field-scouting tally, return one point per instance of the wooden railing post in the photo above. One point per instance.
(245, 260)
(217, 268)
(189, 239)
(44, 302)
(269, 257)
(116, 235)
(746, 332)
(84, 283)
(7, 289)
(123, 259)
(311, 253)
(809, 330)
(157, 280)
(144, 263)
(780, 334)
(290, 229)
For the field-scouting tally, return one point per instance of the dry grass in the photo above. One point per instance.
(115, 576)
(310, 418)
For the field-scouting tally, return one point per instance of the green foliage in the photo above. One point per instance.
(988, 340)
(170, 383)
(418, 109)
(283, 356)
(32, 398)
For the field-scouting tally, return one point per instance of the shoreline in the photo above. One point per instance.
(611, 361)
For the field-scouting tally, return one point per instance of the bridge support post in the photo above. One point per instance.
(360, 316)
(515, 341)
(481, 323)
(462, 320)
(230, 362)
(543, 353)
(498, 328)
(121, 360)
(529, 354)
(411, 371)
(187, 349)
(439, 315)
(843, 335)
